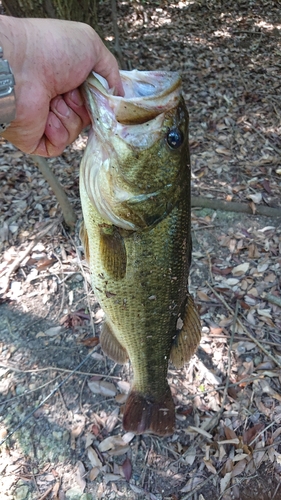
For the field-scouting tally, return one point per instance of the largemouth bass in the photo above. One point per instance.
(135, 195)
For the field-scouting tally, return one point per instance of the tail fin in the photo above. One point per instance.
(145, 414)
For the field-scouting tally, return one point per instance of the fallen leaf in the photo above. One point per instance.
(53, 331)
(93, 457)
(79, 476)
(111, 442)
(224, 482)
(251, 433)
(94, 472)
(112, 477)
(241, 269)
(102, 387)
(127, 469)
(239, 467)
(210, 466)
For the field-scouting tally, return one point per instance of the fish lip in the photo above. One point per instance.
(169, 81)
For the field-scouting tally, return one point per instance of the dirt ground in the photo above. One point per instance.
(61, 399)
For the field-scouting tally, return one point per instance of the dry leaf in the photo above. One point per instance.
(251, 433)
(102, 387)
(52, 332)
(239, 467)
(94, 472)
(127, 469)
(260, 455)
(112, 420)
(199, 431)
(112, 477)
(111, 443)
(203, 296)
(127, 437)
(229, 433)
(224, 482)
(79, 476)
(93, 457)
(241, 269)
(210, 466)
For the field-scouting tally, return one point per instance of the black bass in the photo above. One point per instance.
(135, 195)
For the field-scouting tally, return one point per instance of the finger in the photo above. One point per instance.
(63, 125)
(55, 130)
(108, 68)
(75, 101)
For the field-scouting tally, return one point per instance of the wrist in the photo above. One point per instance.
(9, 57)
(7, 94)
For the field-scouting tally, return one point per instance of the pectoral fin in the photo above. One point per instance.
(85, 240)
(188, 337)
(111, 346)
(113, 252)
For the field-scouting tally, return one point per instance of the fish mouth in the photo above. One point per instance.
(147, 95)
(125, 130)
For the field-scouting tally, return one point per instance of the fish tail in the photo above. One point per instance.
(143, 413)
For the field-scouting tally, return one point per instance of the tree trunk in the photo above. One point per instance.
(84, 11)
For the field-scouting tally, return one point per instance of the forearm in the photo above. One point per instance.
(13, 41)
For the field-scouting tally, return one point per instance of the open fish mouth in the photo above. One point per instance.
(147, 94)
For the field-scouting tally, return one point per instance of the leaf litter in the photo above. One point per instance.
(227, 439)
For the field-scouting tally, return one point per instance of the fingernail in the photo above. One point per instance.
(76, 97)
(62, 108)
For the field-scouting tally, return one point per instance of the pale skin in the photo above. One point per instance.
(50, 59)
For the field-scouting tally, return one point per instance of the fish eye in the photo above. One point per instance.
(174, 138)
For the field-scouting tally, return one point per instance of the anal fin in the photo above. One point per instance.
(111, 345)
(188, 338)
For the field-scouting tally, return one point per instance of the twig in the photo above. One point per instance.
(276, 490)
(66, 208)
(231, 206)
(236, 337)
(272, 298)
(45, 399)
(85, 285)
(55, 368)
(15, 265)
(46, 493)
(267, 353)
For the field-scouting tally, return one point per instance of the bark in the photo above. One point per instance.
(84, 11)
(117, 48)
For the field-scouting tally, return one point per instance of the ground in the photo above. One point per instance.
(67, 442)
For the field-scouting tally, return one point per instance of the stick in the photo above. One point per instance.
(66, 208)
(231, 206)
(272, 298)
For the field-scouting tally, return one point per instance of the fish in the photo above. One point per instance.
(135, 196)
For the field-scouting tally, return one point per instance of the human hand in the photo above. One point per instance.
(50, 59)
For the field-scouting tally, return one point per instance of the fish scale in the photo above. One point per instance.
(140, 275)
